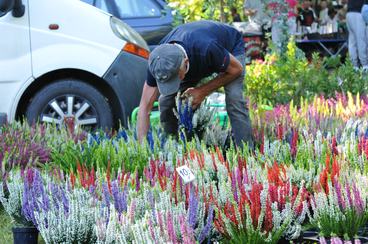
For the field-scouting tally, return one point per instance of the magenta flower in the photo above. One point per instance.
(340, 198)
(170, 228)
(358, 202)
(292, 3)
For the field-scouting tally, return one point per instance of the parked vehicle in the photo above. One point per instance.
(150, 18)
(68, 62)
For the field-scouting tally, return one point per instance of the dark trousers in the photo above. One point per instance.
(235, 107)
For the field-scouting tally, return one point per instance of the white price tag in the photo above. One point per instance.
(186, 174)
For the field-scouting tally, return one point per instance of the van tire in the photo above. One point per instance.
(70, 95)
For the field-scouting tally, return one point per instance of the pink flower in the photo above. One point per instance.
(322, 240)
(291, 14)
(273, 5)
(292, 3)
(336, 240)
(357, 241)
(170, 228)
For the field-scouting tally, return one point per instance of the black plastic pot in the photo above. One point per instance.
(315, 239)
(25, 235)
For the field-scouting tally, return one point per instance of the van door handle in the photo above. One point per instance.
(53, 26)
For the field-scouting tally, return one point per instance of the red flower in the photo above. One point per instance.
(255, 202)
(72, 179)
(323, 179)
(268, 217)
(219, 155)
(334, 146)
(280, 132)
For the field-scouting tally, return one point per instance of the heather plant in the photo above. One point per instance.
(264, 215)
(11, 198)
(320, 114)
(22, 146)
(151, 216)
(61, 213)
(199, 123)
(339, 210)
(71, 224)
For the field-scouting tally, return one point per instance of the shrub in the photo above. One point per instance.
(280, 79)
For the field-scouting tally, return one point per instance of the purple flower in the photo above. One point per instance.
(28, 205)
(340, 198)
(238, 176)
(34, 197)
(55, 194)
(193, 207)
(150, 140)
(64, 199)
(106, 195)
(137, 181)
(185, 113)
(348, 193)
(152, 203)
(160, 221)
(122, 134)
(21, 149)
(132, 210)
(116, 196)
(151, 230)
(207, 228)
(233, 187)
(40, 190)
(358, 202)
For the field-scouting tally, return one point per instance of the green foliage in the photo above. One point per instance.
(280, 79)
(111, 155)
(5, 227)
(205, 9)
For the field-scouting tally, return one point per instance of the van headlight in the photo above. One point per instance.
(125, 32)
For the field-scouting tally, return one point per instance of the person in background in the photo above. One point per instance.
(341, 16)
(307, 15)
(323, 14)
(357, 35)
(255, 11)
(235, 15)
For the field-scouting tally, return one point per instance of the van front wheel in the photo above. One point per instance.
(72, 103)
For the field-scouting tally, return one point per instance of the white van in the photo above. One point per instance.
(64, 61)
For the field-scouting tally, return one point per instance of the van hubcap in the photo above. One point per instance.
(70, 109)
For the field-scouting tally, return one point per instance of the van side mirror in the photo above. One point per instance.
(18, 9)
(6, 6)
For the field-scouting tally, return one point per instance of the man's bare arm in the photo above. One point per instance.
(149, 96)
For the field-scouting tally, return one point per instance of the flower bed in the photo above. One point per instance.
(308, 172)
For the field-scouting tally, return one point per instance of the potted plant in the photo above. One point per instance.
(11, 197)
(339, 213)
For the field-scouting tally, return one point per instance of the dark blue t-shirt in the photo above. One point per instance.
(208, 45)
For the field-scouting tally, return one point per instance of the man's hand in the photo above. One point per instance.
(197, 94)
(233, 71)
